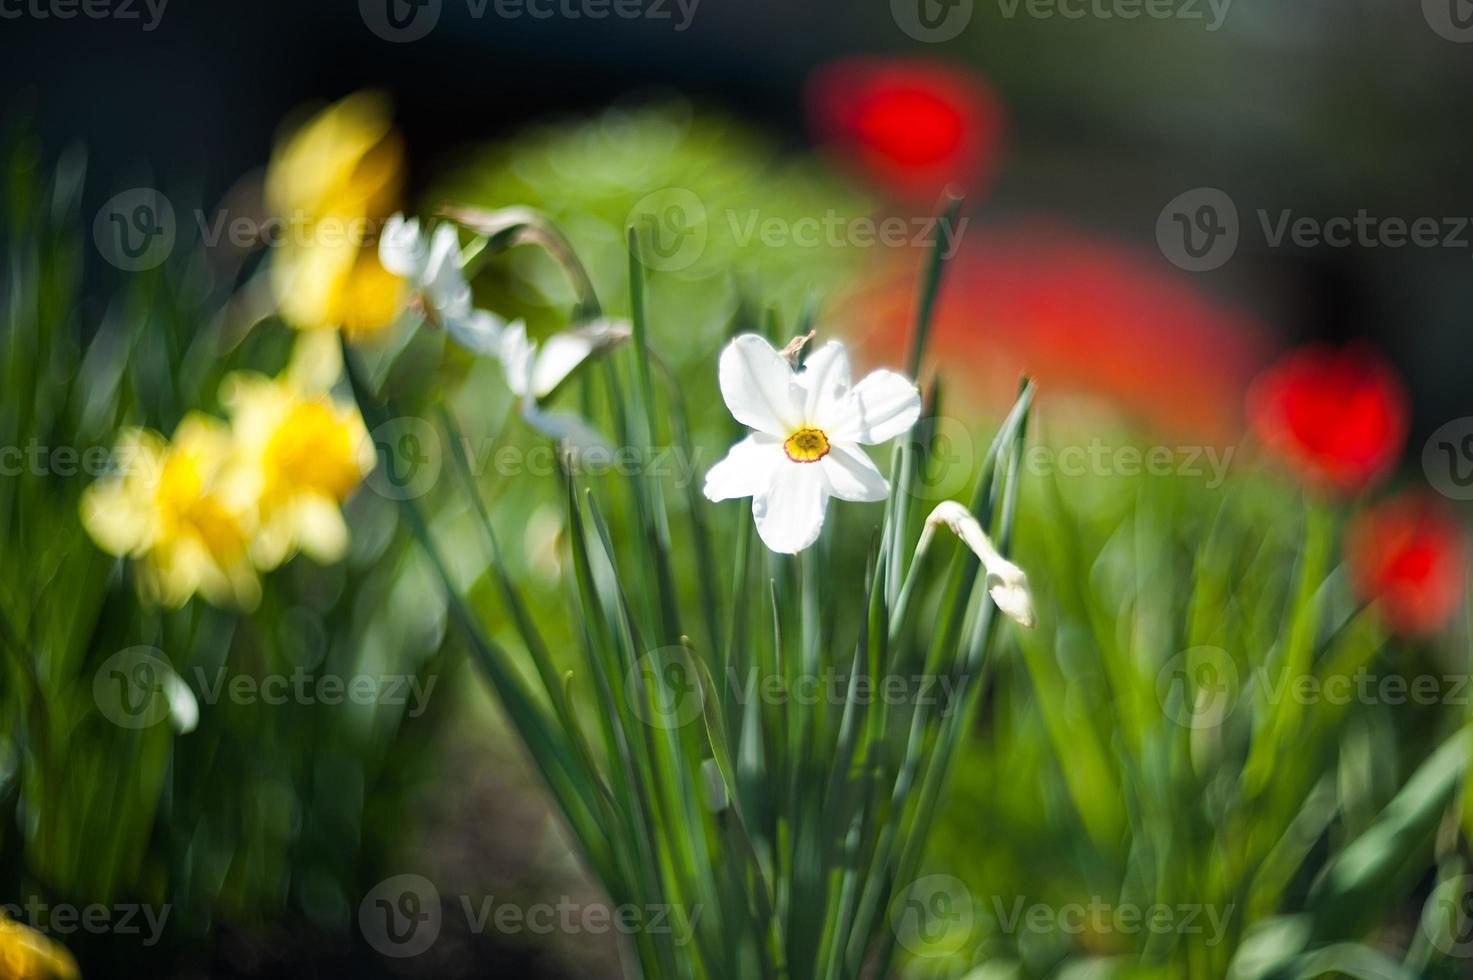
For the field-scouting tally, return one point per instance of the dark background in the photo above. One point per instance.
(1321, 107)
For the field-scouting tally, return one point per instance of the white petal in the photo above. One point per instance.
(183, 708)
(756, 382)
(852, 475)
(562, 353)
(881, 407)
(748, 469)
(401, 250)
(444, 281)
(790, 515)
(825, 381)
(518, 356)
(478, 331)
(571, 432)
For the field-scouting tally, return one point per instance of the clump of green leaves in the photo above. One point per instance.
(692, 772)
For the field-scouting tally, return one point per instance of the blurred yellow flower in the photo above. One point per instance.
(333, 181)
(301, 453)
(25, 954)
(172, 507)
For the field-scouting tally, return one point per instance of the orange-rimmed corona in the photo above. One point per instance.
(807, 445)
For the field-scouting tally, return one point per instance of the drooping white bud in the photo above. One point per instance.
(1006, 582)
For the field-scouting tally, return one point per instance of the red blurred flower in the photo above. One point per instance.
(1337, 415)
(1407, 555)
(912, 126)
(1078, 313)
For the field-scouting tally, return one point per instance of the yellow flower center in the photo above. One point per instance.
(807, 445)
(313, 449)
(188, 507)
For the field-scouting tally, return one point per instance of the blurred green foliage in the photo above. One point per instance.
(1154, 745)
(264, 811)
(701, 184)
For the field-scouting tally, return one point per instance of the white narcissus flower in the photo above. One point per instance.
(436, 269)
(1006, 582)
(532, 374)
(537, 371)
(810, 425)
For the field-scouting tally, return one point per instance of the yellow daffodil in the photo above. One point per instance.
(25, 954)
(332, 181)
(173, 507)
(301, 453)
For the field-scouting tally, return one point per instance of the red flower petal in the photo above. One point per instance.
(1078, 313)
(912, 126)
(1407, 555)
(1338, 416)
